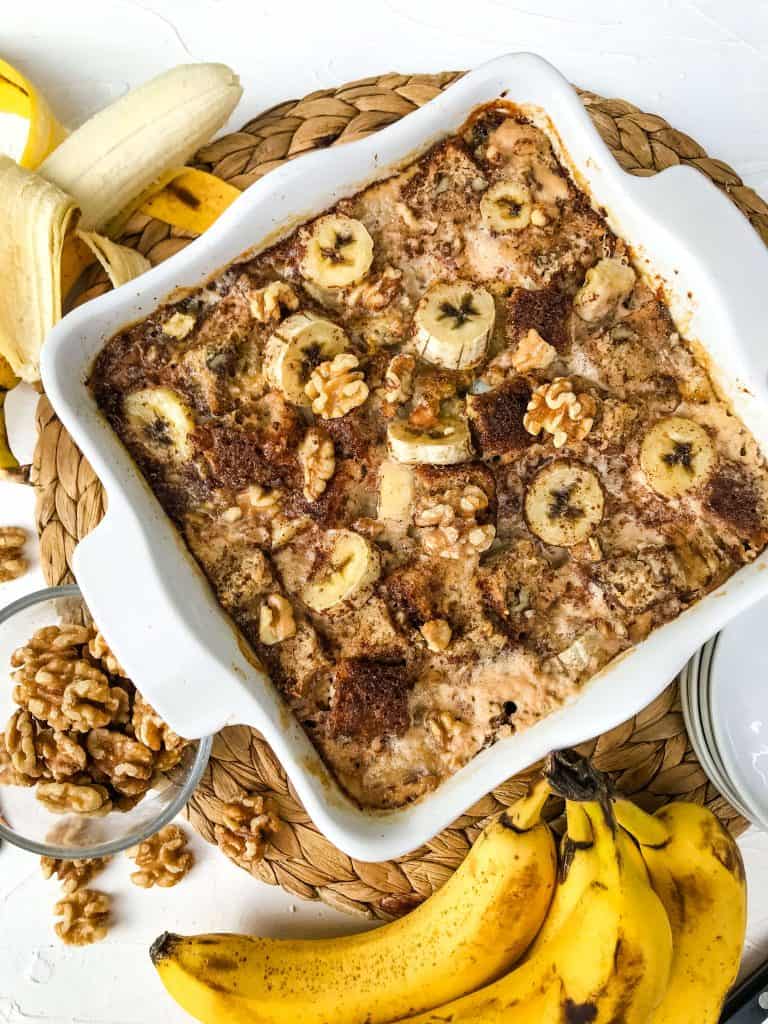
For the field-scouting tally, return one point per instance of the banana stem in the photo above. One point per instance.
(573, 777)
(646, 829)
(526, 812)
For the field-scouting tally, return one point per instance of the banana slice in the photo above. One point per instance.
(453, 324)
(564, 503)
(443, 445)
(347, 575)
(506, 206)
(162, 420)
(676, 455)
(338, 253)
(395, 493)
(295, 349)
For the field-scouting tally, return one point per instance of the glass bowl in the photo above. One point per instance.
(26, 822)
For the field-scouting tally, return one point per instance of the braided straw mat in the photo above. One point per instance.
(649, 757)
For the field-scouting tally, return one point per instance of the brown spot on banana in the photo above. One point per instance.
(579, 1013)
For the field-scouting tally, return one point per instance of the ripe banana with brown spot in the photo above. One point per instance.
(696, 869)
(606, 943)
(468, 933)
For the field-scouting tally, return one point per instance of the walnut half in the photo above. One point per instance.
(12, 562)
(84, 917)
(558, 410)
(318, 462)
(162, 860)
(336, 387)
(247, 825)
(73, 874)
(74, 798)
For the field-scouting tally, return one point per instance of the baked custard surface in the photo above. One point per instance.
(441, 453)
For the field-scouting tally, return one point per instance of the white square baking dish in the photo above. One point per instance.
(153, 603)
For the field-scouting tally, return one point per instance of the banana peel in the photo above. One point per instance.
(9, 464)
(19, 96)
(192, 200)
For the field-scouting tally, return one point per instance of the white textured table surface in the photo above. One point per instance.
(702, 64)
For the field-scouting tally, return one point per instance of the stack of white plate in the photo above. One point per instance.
(724, 693)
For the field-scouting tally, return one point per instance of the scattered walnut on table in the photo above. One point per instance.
(276, 620)
(336, 387)
(162, 860)
(84, 917)
(74, 798)
(125, 762)
(244, 832)
(317, 460)
(73, 874)
(557, 409)
(12, 562)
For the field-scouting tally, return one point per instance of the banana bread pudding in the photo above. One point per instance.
(442, 454)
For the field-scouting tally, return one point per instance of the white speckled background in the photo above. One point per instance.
(702, 64)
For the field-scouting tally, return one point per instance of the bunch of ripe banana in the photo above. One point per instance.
(642, 922)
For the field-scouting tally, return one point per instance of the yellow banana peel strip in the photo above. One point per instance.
(191, 199)
(34, 218)
(19, 96)
(121, 263)
(8, 380)
(125, 149)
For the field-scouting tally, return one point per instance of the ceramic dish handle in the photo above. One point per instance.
(161, 633)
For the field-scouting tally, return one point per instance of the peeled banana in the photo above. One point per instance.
(696, 869)
(346, 576)
(676, 455)
(445, 444)
(161, 420)
(506, 206)
(470, 931)
(453, 324)
(295, 349)
(564, 503)
(339, 251)
(124, 149)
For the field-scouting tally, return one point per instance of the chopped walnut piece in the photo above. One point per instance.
(61, 754)
(558, 410)
(89, 702)
(336, 387)
(162, 860)
(262, 499)
(150, 729)
(398, 382)
(318, 462)
(84, 917)
(73, 874)
(273, 302)
(247, 825)
(437, 633)
(276, 620)
(124, 761)
(20, 744)
(449, 527)
(74, 798)
(12, 562)
(99, 649)
(376, 292)
(533, 353)
(449, 734)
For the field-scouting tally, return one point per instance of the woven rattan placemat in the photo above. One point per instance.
(649, 756)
